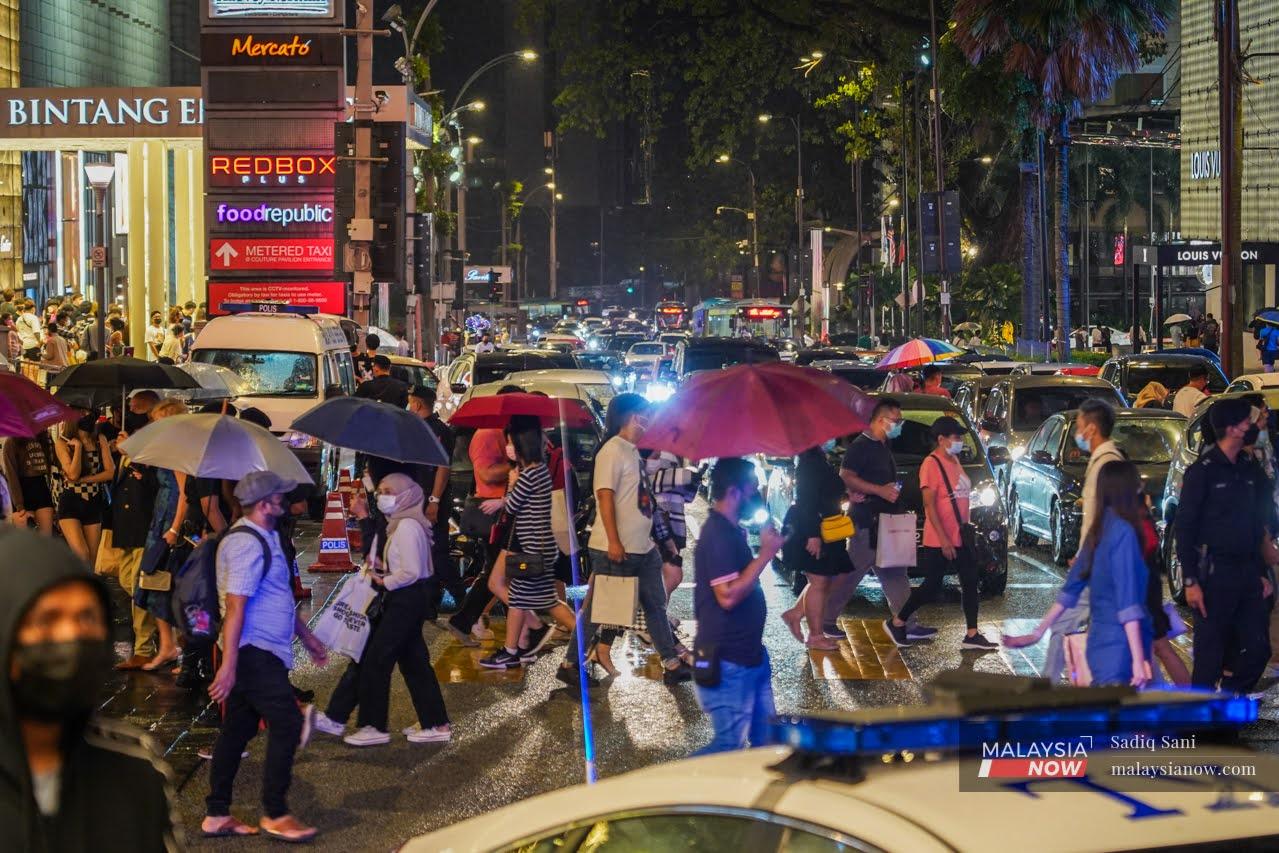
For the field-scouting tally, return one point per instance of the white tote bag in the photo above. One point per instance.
(562, 522)
(614, 600)
(344, 627)
(896, 545)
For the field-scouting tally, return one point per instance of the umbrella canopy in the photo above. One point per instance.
(214, 446)
(775, 408)
(917, 352)
(1177, 318)
(378, 429)
(118, 373)
(1266, 317)
(494, 412)
(27, 409)
(216, 382)
(968, 326)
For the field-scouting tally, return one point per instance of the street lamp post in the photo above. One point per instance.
(555, 196)
(100, 175)
(753, 216)
(765, 118)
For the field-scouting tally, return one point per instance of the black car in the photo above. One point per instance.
(831, 353)
(472, 368)
(717, 353)
(622, 341)
(1131, 373)
(1046, 485)
(865, 376)
(971, 395)
(1197, 435)
(916, 441)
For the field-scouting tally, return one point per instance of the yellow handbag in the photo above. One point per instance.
(837, 528)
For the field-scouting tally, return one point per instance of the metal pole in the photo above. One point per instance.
(1230, 124)
(601, 279)
(1159, 308)
(1044, 286)
(100, 286)
(554, 263)
(1136, 305)
(362, 221)
(940, 167)
(506, 226)
(1085, 220)
(857, 259)
(905, 208)
(754, 237)
(799, 188)
(919, 203)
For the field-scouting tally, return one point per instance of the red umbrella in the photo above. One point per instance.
(494, 412)
(27, 409)
(775, 408)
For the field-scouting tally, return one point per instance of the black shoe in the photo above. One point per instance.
(896, 634)
(526, 655)
(920, 632)
(501, 659)
(979, 643)
(537, 638)
(569, 675)
(677, 675)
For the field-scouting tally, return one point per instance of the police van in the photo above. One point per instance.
(994, 763)
(291, 359)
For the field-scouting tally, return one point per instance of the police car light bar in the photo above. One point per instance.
(937, 729)
(267, 308)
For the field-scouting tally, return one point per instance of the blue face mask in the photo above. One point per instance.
(895, 430)
(1082, 442)
(828, 446)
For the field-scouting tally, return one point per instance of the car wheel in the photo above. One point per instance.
(1176, 584)
(1060, 547)
(1020, 537)
(993, 584)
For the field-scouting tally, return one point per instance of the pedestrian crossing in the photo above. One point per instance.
(867, 655)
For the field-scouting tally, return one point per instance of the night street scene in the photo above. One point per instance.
(600, 426)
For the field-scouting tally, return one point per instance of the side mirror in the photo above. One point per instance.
(1043, 457)
(991, 425)
(458, 387)
(334, 390)
(998, 456)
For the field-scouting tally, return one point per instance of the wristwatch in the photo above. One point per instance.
(432, 500)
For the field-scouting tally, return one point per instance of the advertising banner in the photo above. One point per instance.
(311, 254)
(328, 296)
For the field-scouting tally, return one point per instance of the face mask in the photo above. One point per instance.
(86, 423)
(828, 446)
(956, 447)
(367, 481)
(58, 682)
(1250, 437)
(510, 452)
(895, 430)
(1082, 443)
(386, 504)
(1263, 438)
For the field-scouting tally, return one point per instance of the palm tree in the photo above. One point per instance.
(1070, 52)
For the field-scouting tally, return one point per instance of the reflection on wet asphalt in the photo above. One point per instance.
(518, 733)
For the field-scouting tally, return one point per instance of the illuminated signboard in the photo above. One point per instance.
(274, 49)
(312, 255)
(670, 309)
(272, 170)
(328, 297)
(764, 313)
(271, 8)
(318, 213)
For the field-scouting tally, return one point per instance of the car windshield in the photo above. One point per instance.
(1147, 441)
(916, 440)
(1033, 406)
(624, 340)
(714, 358)
(866, 378)
(597, 361)
(648, 349)
(1171, 376)
(493, 369)
(267, 373)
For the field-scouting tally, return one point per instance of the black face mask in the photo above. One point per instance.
(58, 682)
(134, 422)
(87, 423)
(1250, 437)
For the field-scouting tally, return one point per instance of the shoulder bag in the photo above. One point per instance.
(967, 532)
(522, 564)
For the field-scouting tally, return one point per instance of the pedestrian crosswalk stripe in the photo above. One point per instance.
(866, 655)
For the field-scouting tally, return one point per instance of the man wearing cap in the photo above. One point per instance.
(384, 387)
(1225, 524)
(258, 628)
(434, 480)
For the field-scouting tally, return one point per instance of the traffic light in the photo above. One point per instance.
(630, 288)
(495, 286)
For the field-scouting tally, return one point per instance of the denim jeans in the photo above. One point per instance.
(1071, 620)
(652, 597)
(740, 706)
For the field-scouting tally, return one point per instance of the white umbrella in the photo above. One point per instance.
(216, 382)
(214, 446)
(1177, 318)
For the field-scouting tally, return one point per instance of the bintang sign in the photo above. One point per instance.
(132, 113)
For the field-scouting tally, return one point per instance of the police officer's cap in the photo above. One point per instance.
(1228, 412)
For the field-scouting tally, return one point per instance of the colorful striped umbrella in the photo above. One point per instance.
(916, 352)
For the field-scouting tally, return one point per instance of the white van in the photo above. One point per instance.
(290, 360)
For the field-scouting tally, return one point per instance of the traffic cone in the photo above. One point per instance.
(335, 549)
(346, 486)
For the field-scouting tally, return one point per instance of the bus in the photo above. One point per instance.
(749, 318)
(671, 315)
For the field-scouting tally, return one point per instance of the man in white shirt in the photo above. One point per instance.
(1192, 393)
(155, 337)
(30, 335)
(1093, 426)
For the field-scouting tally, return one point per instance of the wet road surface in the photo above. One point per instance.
(518, 733)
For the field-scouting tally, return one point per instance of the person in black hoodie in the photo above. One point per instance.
(69, 780)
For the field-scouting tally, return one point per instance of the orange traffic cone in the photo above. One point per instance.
(335, 550)
(346, 487)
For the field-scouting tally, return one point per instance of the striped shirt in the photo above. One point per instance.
(529, 503)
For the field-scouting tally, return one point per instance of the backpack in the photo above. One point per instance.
(196, 609)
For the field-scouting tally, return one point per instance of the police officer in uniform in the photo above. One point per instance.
(1224, 526)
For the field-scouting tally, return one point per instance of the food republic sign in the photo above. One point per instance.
(284, 215)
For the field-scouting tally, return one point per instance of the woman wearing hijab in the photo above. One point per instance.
(401, 565)
(1153, 396)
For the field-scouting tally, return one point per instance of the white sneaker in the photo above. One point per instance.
(322, 723)
(479, 632)
(436, 734)
(367, 736)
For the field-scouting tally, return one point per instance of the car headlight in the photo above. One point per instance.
(618, 381)
(300, 440)
(658, 392)
(987, 496)
(761, 516)
(1016, 452)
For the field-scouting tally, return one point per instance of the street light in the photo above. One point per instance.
(100, 175)
(985, 159)
(765, 118)
(524, 55)
(724, 158)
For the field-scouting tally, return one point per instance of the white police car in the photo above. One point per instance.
(915, 779)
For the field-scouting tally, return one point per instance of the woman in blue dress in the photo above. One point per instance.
(1111, 566)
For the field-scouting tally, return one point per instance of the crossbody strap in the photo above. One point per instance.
(954, 505)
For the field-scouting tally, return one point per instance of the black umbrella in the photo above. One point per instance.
(117, 373)
(378, 429)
